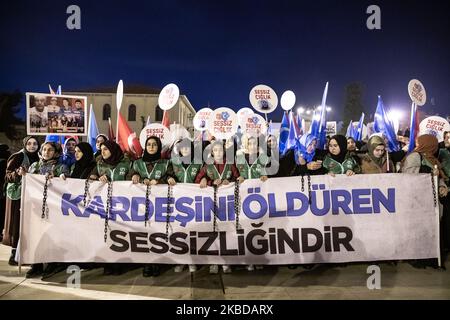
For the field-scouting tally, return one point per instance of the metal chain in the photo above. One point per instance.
(108, 209)
(147, 202)
(44, 200)
(237, 203)
(309, 188)
(303, 183)
(215, 208)
(434, 190)
(169, 201)
(86, 191)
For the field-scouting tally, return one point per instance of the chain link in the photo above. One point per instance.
(86, 192)
(237, 203)
(44, 200)
(434, 190)
(169, 202)
(148, 191)
(309, 189)
(215, 208)
(108, 209)
(303, 183)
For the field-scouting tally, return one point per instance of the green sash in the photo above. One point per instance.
(158, 171)
(119, 173)
(186, 175)
(254, 171)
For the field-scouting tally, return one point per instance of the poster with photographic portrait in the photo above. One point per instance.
(49, 114)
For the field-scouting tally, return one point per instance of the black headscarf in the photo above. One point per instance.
(342, 142)
(116, 152)
(32, 156)
(147, 157)
(84, 166)
(101, 135)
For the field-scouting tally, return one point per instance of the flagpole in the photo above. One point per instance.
(119, 97)
(387, 159)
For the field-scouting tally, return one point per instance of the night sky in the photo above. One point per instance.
(216, 51)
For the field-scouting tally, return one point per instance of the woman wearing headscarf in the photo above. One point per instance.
(273, 153)
(304, 159)
(184, 167)
(424, 160)
(444, 159)
(112, 165)
(218, 173)
(375, 160)
(84, 161)
(67, 157)
(4, 156)
(151, 169)
(250, 161)
(48, 165)
(17, 165)
(351, 145)
(338, 161)
(98, 142)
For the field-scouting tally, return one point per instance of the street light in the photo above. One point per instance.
(300, 110)
(395, 116)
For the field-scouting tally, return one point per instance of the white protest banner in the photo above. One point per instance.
(223, 123)
(263, 98)
(435, 126)
(168, 96)
(254, 125)
(158, 130)
(357, 218)
(201, 119)
(417, 92)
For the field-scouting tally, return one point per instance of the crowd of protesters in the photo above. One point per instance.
(234, 160)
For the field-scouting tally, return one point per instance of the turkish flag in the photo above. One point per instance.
(128, 140)
(165, 120)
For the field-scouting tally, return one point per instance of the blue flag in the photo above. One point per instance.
(284, 133)
(319, 123)
(92, 129)
(314, 128)
(359, 130)
(349, 133)
(292, 136)
(300, 126)
(384, 125)
(53, 138)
